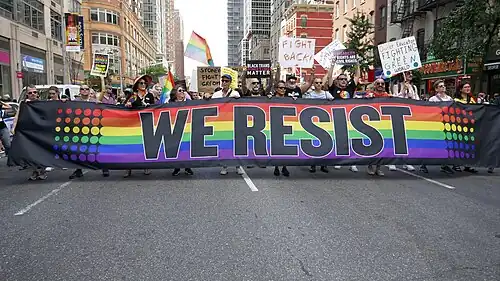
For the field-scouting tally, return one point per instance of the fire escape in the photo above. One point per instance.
(405, 13)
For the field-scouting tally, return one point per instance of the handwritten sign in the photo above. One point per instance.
(297, 52)
(326, 55)
(258, 68)
(100, 65)
(345, 57)
(399, 56)
(233, 74)
(208, 79)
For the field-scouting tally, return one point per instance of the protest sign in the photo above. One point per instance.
(193, 84)
(326, 55)
(345, 57)
(208, 78)
(217, 133)
(399, 56)
(297, 52)
(258, 69)
(100, 65)
(233, 74)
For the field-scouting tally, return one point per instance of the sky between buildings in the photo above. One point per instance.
(208, 18)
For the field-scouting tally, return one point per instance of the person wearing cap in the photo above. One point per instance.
(227, 92)
(139, 98)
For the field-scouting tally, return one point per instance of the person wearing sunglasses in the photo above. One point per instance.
(140, 97)
(38, 172)
(440, 96)
(227, 92)
(318, 93)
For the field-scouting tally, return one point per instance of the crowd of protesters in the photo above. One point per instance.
(144, 93)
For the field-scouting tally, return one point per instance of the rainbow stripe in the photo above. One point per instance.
(168, 86)
(198, 50)
(121, 141)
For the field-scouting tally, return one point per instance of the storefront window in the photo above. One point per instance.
(105, 39)
(55, 25)
(103, 15)
(5, 87)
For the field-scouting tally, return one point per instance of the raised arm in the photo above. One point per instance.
(309, 83)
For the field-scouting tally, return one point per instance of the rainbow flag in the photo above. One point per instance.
(168, 86)
(198, 50)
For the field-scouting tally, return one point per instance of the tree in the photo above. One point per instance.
(360, 40)
(468, 32)
(156, 71)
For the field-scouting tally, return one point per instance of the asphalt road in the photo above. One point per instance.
(336, 226)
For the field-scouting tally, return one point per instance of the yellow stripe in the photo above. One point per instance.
(228, 126)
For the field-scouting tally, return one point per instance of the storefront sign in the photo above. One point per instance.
(33, 64)
(4, 57)
(19, 74)
(82, 35)
(439, 68)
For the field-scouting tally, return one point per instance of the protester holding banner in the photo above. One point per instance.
(464, 95)
(342, 88)
(139, 98)
(440, 96)
(38, 172)
(318, 93)
(280, 92)
(226, 92)
(107, 97)
(180, 96)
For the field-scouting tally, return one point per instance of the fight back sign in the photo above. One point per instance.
(399, 56)
(208, 79)
(258, 69)
(296, 52)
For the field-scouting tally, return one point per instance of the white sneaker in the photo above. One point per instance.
(371, 170)
(337, 167)
(353, 169)
(379, 172)
(239, 170)
(223, 171)
(391, 167)
(409, 168)
(49, 169)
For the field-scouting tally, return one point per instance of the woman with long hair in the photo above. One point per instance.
(464, 95)
(140, 97)
(280, 92)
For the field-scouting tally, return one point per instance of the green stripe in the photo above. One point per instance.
(226, 135)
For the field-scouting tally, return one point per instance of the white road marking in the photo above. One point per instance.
(248, 181)
(426, 179)
(53, 192)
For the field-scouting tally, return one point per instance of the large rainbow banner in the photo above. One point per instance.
(256, 131)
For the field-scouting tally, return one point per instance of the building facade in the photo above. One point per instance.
(235, 15)
(113, 28)
(257, 28)
(31, 48)
(154, 22)
(423, 19)
(346, 9)
(179, 45)
(169, 31)
(380, 24)
(312, 21)
(278, 8)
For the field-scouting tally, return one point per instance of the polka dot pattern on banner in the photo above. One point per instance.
(77, 134)
(459, 132)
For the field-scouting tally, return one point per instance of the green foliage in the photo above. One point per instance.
(156, 71)
(469, 30)
(360, 39)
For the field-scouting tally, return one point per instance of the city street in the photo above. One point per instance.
(336, 226)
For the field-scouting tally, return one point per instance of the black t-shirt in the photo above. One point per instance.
(346, 93)
(297, 92)
(148, 99)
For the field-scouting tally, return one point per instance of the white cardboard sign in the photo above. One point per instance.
(325, 56)
(297, 52)
(399, 56)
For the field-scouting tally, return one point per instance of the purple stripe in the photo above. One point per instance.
(429, 153)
